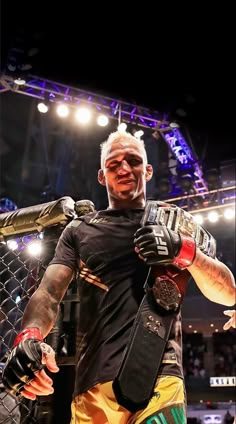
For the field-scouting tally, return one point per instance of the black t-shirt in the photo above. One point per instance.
(111, 278)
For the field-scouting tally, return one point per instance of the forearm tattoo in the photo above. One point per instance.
(42, 309)
(214, 279)
(214, 270)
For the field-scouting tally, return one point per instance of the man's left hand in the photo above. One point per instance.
(157, 245)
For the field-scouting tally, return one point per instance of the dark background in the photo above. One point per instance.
(161, 57)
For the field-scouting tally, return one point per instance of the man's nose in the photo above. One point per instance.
(124, 167)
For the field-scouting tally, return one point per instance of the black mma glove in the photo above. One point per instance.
(159, 246)
(24, 360)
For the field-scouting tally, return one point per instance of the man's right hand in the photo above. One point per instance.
(23, 372)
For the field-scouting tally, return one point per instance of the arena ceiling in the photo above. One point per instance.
(191, 84)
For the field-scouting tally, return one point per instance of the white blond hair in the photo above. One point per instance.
(116, 137)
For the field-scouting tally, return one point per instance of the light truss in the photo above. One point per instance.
(214, 199)
(56, 92)
(115, 109)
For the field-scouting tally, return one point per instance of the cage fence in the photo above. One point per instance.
(28, 238)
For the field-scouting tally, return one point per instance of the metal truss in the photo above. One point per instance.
(214, 199)
(115, 109)
(55, 92)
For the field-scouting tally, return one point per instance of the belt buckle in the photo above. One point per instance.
(166, 293)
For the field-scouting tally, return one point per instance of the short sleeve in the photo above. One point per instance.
(67, 252)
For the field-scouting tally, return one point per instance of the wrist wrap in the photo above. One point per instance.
(28, 333)
(187, 252)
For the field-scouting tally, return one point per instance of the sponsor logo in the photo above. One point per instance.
(86, 274)
(174, 415)
(161, 244)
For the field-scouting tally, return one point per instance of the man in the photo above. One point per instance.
(112, 254)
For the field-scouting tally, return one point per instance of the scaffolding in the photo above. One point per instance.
(119, 110)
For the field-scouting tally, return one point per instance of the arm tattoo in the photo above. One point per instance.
(43, 307)
(213, 269)
(214, 279)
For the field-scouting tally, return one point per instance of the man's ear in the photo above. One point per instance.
(101, 177)
(149, 172)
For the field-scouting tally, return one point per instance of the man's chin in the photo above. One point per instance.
(126, 194)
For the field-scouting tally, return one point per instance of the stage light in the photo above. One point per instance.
(83, 115)
(12, 244)
(174, 125)
(19, 81)
(213, 216)
(34, 248)
(62, 111)
(42, 107)
(102, 120)
(229, 213)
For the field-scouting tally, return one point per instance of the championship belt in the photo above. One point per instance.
(134, 384)
(179, 221)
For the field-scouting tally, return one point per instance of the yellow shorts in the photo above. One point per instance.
(99, 406)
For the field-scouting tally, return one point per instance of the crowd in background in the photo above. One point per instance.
(224, 355)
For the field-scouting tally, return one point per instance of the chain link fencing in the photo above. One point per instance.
(28, 238)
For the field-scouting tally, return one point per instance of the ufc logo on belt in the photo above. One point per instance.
(161, 244)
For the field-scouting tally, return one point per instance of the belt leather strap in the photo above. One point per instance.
(133, 386)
